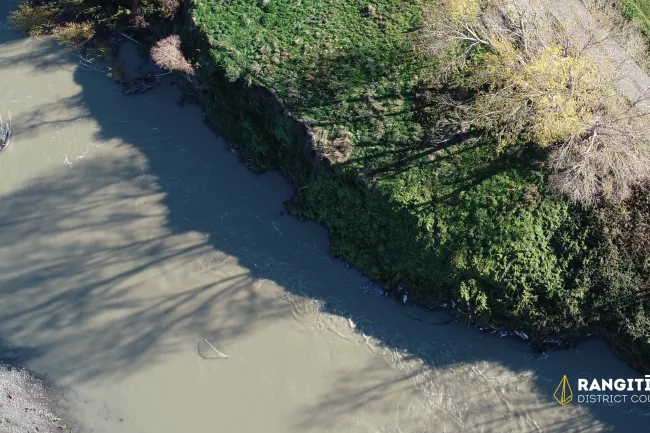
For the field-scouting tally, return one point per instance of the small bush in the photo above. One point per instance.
(74, 34)
(336, 149)
(139, 22)
(170, 6)
(33, 20)
(168, 55)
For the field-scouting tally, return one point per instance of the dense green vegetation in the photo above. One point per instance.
(458, 221)
(453, 221)
(640, 10)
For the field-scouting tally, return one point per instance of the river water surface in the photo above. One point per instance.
(134, 248)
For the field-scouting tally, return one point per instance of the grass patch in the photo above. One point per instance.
(640, 10)
(337, 64)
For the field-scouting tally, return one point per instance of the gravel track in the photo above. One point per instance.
(27, 404)
(632, 80)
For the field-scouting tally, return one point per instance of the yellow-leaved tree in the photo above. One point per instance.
(537, 83)
(548, 100)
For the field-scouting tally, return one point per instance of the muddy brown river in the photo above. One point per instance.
(135, 250)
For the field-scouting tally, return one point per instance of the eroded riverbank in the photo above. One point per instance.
(130, 236)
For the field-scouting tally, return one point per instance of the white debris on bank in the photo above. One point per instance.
(372, 288)
(521, 335)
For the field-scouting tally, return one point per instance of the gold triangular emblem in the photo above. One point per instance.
(563, 393)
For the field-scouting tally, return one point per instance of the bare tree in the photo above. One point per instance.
(473, 23)
(608, 158)
(170, 6)
(605, 17)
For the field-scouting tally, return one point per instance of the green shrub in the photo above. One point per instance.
(34, 20)
(74, 34)
(639, 10)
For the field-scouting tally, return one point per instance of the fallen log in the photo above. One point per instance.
(141, 84)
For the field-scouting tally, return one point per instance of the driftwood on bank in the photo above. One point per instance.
(141, 84)
(129, 38)
(115, 40)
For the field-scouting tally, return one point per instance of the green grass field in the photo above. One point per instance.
(638, 9)
(336, 63)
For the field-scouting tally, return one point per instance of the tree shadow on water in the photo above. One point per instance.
(75, 252)
(166, 208)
